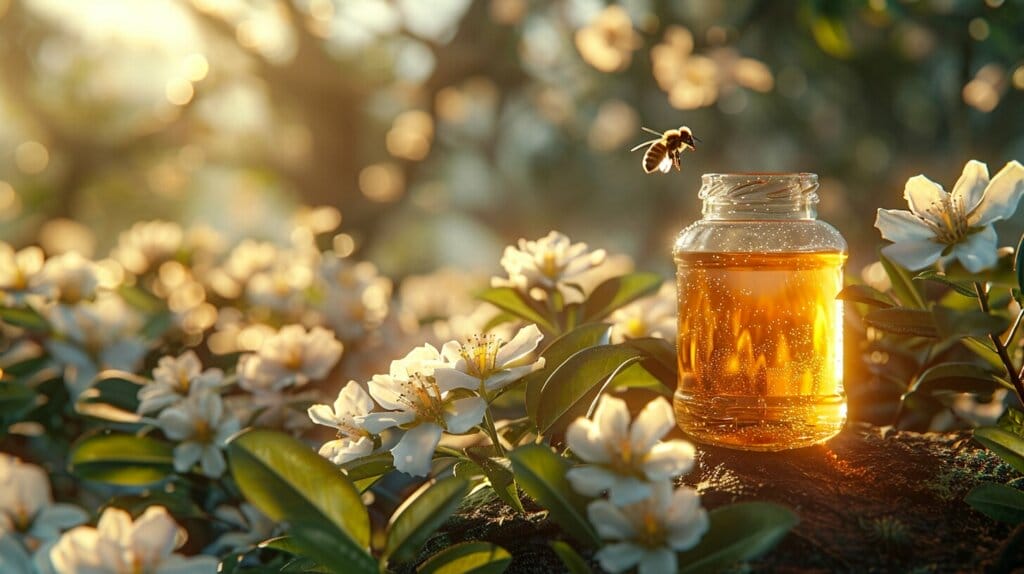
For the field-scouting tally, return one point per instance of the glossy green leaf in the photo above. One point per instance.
(902, 283)
(958, 378)
(998, 501)
(320, 541)
(1004, 443)
(422, 514)
(965, 288)
(25, 317)
(468, 558)
(115, 388)
(572, 387)
(573, 562)
(122, 459)
(619, 291)
(499, 475)
(510, 300)
(1012, 422)
(660, 359)
(15, 400)
(559, 351)
(289, 482)
(738, 532)
(369, 466)
(909, 322)
(541, 474)
(959, 324)
(865, 294)
(26, 367)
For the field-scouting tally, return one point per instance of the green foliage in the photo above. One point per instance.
(557, 353)
(867, 295)
(1018, 263)
(511, 301)
(965, 288)
(468, 558)
(420, 515)
(902, 283)
(998, 501)
(957, 324)
(25, 317)
(617, 292)
(957, 378)
(901, 321)
(573, 562)
(122, 460)
(112, 396)
(1008, 445)
(15, 400)
(290, 483)
(738, 532)
(541, 474)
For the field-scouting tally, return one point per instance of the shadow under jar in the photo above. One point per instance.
(760, 329)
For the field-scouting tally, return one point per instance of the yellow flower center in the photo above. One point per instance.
(481, 354)
(421, 395)
(202, 432)
(550, 267)
(652, 535)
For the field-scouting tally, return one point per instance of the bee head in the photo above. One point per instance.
(687, 137)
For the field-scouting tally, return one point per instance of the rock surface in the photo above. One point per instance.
(868, 501)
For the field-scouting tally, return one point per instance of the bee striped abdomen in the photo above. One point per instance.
(654, 155)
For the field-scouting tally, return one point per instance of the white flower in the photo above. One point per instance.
(252, 527)
(648, 534)
(982, 414)
(625, 458)
(26, 505)
(958, 224)
(172, 380)
(422, 406)
(147, 244)
(69, 277)
(17, 270)
(291, 357)
(353, 440)
(487, 361)
(551, 263)
(355, 298)
(203, 427)
(120, 546)
(653, 316)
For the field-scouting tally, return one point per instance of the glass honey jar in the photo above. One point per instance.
(760, 343)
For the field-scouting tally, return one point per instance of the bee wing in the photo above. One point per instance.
(665, 165)
(646, 143)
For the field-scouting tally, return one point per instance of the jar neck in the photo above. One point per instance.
(747, 196)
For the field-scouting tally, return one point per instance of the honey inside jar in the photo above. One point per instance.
(760, 348)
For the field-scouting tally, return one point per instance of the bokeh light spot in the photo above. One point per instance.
(31, 157)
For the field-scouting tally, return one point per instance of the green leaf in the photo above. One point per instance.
(15, 400)
(910, 322)
(25, 317)
(122, 459)
(369, 466)
(289, 482)
(573, 386)
(997, 501)
(1018, 263)
(660, 359)
(557, 353)
(865, 294)
(116, 388)
(958, 324)
(573, 562)
(468, 558)
(140, 299)
(1012, 422)
(501, 479)
(738, 532)
(541, 474)
(321, 542)
(422, 514)
(965, 288)
(617, 292)
(958, 378)
(27, 366)
(1004, 443)
(510, 300)
(902, 284)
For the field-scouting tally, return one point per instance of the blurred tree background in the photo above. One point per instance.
(444, 129)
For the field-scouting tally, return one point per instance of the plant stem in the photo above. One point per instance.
(1004, 356)
(492, 431)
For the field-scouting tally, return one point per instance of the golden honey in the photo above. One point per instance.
(760, 348)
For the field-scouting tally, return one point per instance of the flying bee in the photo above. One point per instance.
(664, 151)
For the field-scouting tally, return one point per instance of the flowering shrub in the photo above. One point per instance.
(184, 383)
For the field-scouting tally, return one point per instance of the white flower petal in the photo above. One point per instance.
(387, 391)
(914, 255)
(970, 188)
(353, 398)
(658, 561)
(415, 449)
(584, 438)
(375, 423)
(343, 450)
(504, 378)
(900, 225)
(612, 419)
(591, 480)
(653, 422)
(212, 461)
(463, 414)
(669, 459)
(154, 535)
(923, 195)
(619, 557)
(979, 251)
(610, 522)
(186, 455)
(1001, 197)
(524, 343)
(322, 415)
(448, 379)
(628, 490)
(193, 565)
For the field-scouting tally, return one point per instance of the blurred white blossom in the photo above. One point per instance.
(488, 362)
(355, 297)
(69, 277)
(251, 528)
(173, 378)
(146, 244)
(980, 413)
(653, 316)
(550, 264)
(27, 507)
(353, 440)
(624, 459)
(118, 545)
(941, 225)
(18, 270)
(291, 357)
(202, 427)
(607, 43)
(648, 534)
